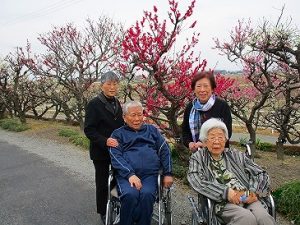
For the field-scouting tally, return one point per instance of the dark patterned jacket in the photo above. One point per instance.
(101, 119)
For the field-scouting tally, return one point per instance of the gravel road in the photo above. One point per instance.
(77, 161)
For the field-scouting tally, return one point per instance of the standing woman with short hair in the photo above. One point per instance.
(204, 106)
(103, 115)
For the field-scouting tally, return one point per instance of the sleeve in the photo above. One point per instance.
(185, 127)
(164, 153)
(118, 162)
(227, 118)
(199, 180)
(91, 124)
(259, 181)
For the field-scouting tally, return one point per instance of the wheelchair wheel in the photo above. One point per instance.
(167, 208)
(194, 219)
(113, 212)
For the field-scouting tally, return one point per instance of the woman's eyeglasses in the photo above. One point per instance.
(214, 139)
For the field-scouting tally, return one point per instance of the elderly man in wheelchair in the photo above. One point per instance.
(141, 153)
(238, 188)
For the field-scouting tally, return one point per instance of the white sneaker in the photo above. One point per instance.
(117, 220)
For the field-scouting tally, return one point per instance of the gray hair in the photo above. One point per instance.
(130, 104)
(108, 76)
(211, 124)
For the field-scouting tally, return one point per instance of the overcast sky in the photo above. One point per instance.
(26, 19)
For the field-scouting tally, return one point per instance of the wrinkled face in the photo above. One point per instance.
(203, 90)
(110, 88)
(134, 117)
(215, 142)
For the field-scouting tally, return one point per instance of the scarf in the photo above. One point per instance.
(195, 118)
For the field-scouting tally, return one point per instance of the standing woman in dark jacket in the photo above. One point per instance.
(203, 107)
(103, 116)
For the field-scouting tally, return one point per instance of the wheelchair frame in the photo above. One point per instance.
(202, 211)
(163, 204)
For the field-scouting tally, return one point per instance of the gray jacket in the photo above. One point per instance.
(246, 171)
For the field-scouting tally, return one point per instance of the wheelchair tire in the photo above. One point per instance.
(168, 211)
(168, 219)
(113, 211)
(194, 219)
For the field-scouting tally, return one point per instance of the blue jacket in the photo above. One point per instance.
(141, 153)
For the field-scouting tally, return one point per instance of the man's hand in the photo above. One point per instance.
(111, 142)
(135, 182)
(233, 196)
(167, 181)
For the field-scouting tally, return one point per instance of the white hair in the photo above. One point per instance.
(130, 104)
(211, 124)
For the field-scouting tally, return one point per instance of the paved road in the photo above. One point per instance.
(34, 191)
(45, 183)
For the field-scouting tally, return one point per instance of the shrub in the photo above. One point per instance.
(179, 171)
(180, 166)
(243, 141)
(263, 146)
(287, 199)
(13, 125)
(292, 150)
(75, 137)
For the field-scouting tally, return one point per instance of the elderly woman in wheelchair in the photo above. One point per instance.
(238, 187)
(137, 160)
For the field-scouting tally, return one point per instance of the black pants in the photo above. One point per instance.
(101, 178)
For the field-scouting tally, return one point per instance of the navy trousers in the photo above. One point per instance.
(137, 206)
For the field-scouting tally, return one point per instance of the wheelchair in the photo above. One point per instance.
(202, 209)
(162, 212)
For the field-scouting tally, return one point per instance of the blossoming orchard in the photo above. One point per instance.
(157, 70)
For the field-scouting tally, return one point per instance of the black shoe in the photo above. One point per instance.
(103, 218)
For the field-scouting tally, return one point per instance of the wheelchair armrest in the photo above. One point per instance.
(113, 190)
(248, 151)
(210, 210)
(272, 209)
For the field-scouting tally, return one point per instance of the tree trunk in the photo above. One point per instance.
(279, 147)
(2, 111)
(252, 139)
(56, 112)
(22, 117)
(279, 150)
(81, 124)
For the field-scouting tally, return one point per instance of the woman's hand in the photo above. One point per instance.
(233, 196)
(251, 198)
(111, 142)
(194, 146)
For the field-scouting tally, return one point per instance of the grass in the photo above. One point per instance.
(13, 124)
(75, 137)
(292, 150)
(287, 199)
